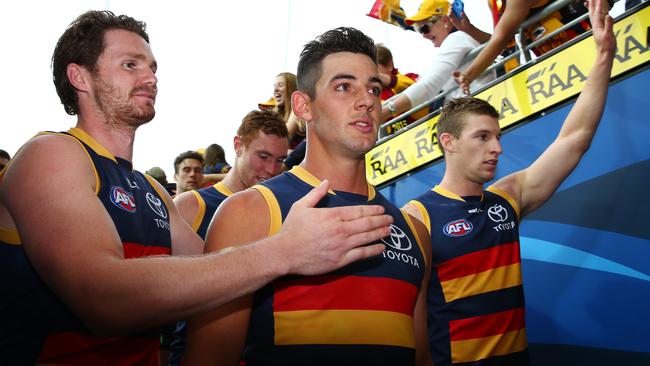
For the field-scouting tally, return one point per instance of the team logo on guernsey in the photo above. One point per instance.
(122, 199)
(156, 205)
(497, 213)
(398, 239)
(457, 228)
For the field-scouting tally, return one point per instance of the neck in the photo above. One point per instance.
(118, 140)
(460, 186)
(233, 181)
(344, 174)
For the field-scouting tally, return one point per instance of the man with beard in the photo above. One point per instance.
(85, 272)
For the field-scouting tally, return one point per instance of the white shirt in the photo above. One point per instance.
(438, 77)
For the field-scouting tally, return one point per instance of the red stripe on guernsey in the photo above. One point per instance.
(79, 349)
(480, 261)
(345, 292)
(135, 250)
(487, 325)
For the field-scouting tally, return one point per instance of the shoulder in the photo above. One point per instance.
(460, 38)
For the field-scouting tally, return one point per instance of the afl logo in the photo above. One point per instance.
(397, 239)
(497, 213)
(457, 228)
(156, 205)
(123, 199)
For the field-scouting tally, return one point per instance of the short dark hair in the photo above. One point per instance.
(453, 115)
(187, 155)
(267, 121)
(82, 43)
(4, 154)
(342, 39)
(384, 56)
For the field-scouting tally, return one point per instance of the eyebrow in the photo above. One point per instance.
(140, 56)
(373, 79)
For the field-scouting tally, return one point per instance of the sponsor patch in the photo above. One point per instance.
(457, 228)
(122, 199)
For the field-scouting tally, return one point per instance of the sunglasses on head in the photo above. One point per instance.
(425, 27)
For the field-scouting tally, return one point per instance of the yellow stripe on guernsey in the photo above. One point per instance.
(480, 348)
(343, 327)
(200, 213)
(506, 196)
(10, 236)
(409, 222)
(424, 213)
(274, 208)
(308, 178)
(487, 281)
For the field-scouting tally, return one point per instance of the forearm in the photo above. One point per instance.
(164, 289)
(401, 104)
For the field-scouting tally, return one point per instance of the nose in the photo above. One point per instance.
(496, 147)
(365, 100)
(150, 77)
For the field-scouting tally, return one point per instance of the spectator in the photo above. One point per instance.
(4, 159)
(434, 24)
(215, 160)
(285, 85)
(507, 17)
(476, 296)
(367, 314)
(393, 81)
(88, 279)
(159, 175)
(188, 171)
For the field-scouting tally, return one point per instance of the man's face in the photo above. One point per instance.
(346, 112)
(189, 176)
(124, 83)
(261, 159)
(478, 148)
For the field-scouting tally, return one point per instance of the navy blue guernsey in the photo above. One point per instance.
(361, 314)
(475, 300)
(208, 199)
(36, 325)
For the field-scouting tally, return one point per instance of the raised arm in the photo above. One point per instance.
(464, 24)
(74, 246)
(534, 185)
(514, 14)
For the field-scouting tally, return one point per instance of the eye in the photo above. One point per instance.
(129, 65)
(342, 87)
(375, 90)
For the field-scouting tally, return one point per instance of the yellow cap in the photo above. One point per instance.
(268, 104)
(429, 8)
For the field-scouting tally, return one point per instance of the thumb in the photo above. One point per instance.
(314, 196)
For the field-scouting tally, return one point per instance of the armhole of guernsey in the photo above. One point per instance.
(98, 183)
(198, 219)
(507, 197)
(274, 208)
(159, 190)
(423, 212)
(407, 218)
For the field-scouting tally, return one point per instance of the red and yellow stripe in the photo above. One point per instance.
(480, 272)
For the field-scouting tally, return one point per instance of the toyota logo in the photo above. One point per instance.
(497, 213)
(398, 239)
(156, 205)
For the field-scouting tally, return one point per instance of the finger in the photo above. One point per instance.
(362, 225)
(351, 213)
(359, 253)
(314, 196)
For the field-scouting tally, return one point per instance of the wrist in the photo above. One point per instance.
(391, 108)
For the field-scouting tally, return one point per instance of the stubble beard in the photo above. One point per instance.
(120, 109)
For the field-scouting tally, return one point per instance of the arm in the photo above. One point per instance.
(217, 337)
(188, 207)
(447, 59)
(463, 24)
(87, 270)
(515, 13)
(213, 178)
(534, 185)
(422, 352)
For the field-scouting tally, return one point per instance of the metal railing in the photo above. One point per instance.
(520, 48)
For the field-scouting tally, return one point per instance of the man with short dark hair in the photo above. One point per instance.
(188, 171)
(368, 313)
(88, 280)
(476, 297)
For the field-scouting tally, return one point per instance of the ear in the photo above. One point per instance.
(78, 76)
(238, 144)
(446, 141)
(301, 105)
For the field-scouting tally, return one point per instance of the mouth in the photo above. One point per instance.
(491, 162)
(363, 124)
